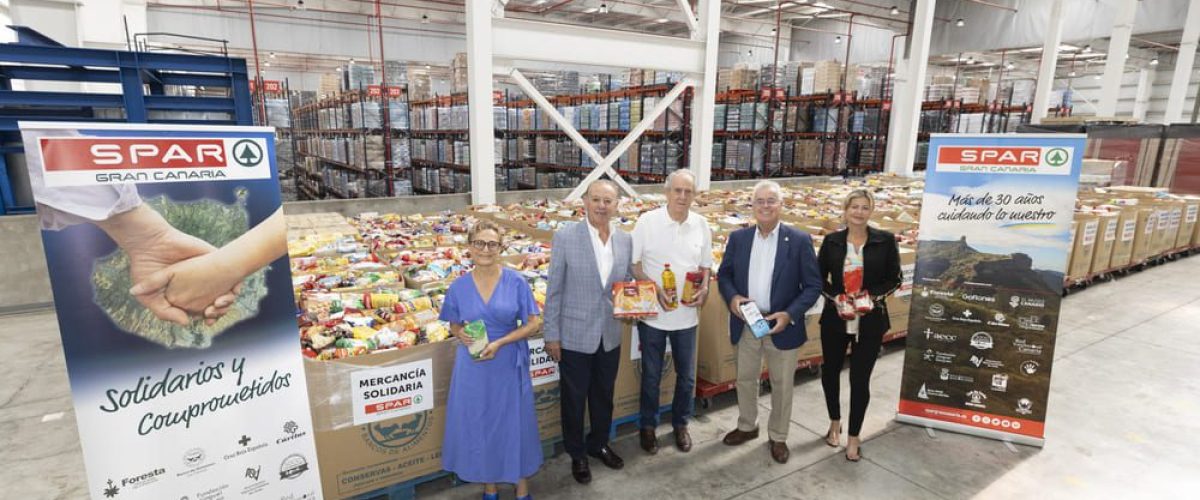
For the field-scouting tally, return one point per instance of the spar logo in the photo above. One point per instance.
(85, 161)
(247, 153)
(397, 435)
(1005, 159)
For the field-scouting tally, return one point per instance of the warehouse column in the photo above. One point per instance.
(1183, 64)
(705, 94)
(479, 99)
(906, 122)
(1144, 88)
(1114, 67)
(1045, 79)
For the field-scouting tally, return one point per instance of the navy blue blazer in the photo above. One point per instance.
(795, 283)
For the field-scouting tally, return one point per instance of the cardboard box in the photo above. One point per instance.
(1162, 226)
(356, 459)
(1143, 238)
(1084, 247)
(629, 378)
(717, 358)
(1122, 251)
(1188, 226)
(1107, 239)
(546, 393)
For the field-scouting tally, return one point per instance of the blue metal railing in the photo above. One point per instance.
(143, 78)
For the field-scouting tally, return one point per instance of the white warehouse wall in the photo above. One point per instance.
(869, 45)
(989, 28)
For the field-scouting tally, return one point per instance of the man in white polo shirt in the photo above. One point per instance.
(672, 235)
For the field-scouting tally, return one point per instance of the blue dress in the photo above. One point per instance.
(491, 425)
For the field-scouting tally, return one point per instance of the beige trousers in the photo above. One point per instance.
(781, 367)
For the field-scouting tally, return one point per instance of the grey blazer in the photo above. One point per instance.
(579, 308)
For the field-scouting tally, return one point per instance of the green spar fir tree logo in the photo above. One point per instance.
(1057, 157)
(247, 153)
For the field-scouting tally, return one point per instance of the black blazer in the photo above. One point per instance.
(881, 276)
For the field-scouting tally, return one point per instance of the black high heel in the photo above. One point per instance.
(860, 455)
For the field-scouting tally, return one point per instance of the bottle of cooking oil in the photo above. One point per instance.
(668, 282)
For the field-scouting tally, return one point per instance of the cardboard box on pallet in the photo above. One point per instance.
(899, 303)
(1143, 237)
(1122, 251)
(1158, 245)
(1187, 228)
(544, 373)
(1084, 247)
(628, 389)
(359, 457)
(1174, 224)
(1106, 242)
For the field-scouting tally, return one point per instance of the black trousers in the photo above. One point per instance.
(863, 354)
(587, 379)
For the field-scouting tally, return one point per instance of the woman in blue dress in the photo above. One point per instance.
(491, 425)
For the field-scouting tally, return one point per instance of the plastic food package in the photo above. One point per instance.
(479, 339)
(635, 299)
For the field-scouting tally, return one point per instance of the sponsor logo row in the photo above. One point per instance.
(196, 461)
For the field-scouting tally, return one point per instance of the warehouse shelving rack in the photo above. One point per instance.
(307, 124)
(421, 167)
(674, 130)
(149, 84)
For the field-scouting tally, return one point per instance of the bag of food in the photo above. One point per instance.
(479, 339)
(635, 299)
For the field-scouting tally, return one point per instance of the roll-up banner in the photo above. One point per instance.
(992, 253)
(167, 254)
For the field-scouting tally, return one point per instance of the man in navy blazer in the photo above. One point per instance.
(773, 266)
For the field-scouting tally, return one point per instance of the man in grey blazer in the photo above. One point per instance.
(581, 334)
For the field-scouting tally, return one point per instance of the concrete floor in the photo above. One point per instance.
(1124, 422)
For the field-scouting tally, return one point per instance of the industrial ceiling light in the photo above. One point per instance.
(1087, 48)
(895, 10)
(424, 18)
(267, 64)
(272, 55)
(960, 22)
(1071, 74)
(773, 31)
(1096, 77)
(837, 39)
(1154, 62)
(604, 8)
(339, 69)
(300, 4)
(1009, 66)
(661, 20)
(351, 60)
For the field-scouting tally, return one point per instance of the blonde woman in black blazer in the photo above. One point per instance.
(880, 259)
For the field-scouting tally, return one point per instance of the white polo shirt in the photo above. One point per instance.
(687, 246)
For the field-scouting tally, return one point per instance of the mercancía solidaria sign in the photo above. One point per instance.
(148, 389)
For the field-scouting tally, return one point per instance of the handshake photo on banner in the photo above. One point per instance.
(177, 274)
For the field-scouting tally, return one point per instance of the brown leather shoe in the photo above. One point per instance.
(649, 441)
(736, 437)
(683, 440)
(779, 451)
